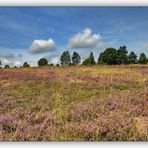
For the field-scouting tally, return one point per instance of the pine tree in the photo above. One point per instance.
(132, 58)
(142, 59)
(76, 58)
(92, 59)
(122, 57)
(65, 58)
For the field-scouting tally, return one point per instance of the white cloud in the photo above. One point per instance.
(17, 63)
(6, 62)
(54, 60)
(42, 46)
(85, 39)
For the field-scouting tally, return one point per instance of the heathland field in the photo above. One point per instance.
(96, 103)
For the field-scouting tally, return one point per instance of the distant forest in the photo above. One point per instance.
(111, 56)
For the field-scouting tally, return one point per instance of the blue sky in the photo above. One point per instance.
(30, 33)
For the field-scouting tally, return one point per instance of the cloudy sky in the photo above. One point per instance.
(30, 33)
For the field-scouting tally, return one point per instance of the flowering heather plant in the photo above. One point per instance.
(76, 103)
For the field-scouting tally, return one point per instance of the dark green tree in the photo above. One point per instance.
(51, 64)
(26, 65)
(42, 62)
(100, 59)
(65, 58)
(109, 56)
(7, 66)
(92, 59)
(0, 63)
(76, 58)
(132, 58)
(142, 59)
(87, 62)
(122, 57)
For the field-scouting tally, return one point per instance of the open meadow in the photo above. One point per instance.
(74, 103)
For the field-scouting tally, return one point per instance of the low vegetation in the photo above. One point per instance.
(79, 103)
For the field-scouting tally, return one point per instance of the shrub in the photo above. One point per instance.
(7, 66)
(25, 65)
(42, 62)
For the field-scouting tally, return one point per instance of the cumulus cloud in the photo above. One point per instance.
(42, 46)
(85, 39)
(11, 59)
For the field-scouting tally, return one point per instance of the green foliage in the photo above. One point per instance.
(7, 66)
(112, 56)
(109, 56)
(57, 65)
(65, 58)
(42, 62)
(92, 59)
(51, 64)
(25, 65)
(142, 59)
(89, 61)
(100, 59)
(132, 58)
(76, 58)
(122, 57)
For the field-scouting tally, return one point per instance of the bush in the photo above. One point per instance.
(90, 60)
(42, 62)
(51, 64)
(7, 66)
(87, 62)
(25, 65)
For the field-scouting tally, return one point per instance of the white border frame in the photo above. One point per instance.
(73, 3)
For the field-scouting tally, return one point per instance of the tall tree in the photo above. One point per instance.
(65, 58)
(76, 58)
(132, 58)
(109, 56)
(0, 63)
(100, 59)
(122, 57)
(92, 59)
(142, 59)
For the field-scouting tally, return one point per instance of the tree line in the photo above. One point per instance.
(111, 56)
